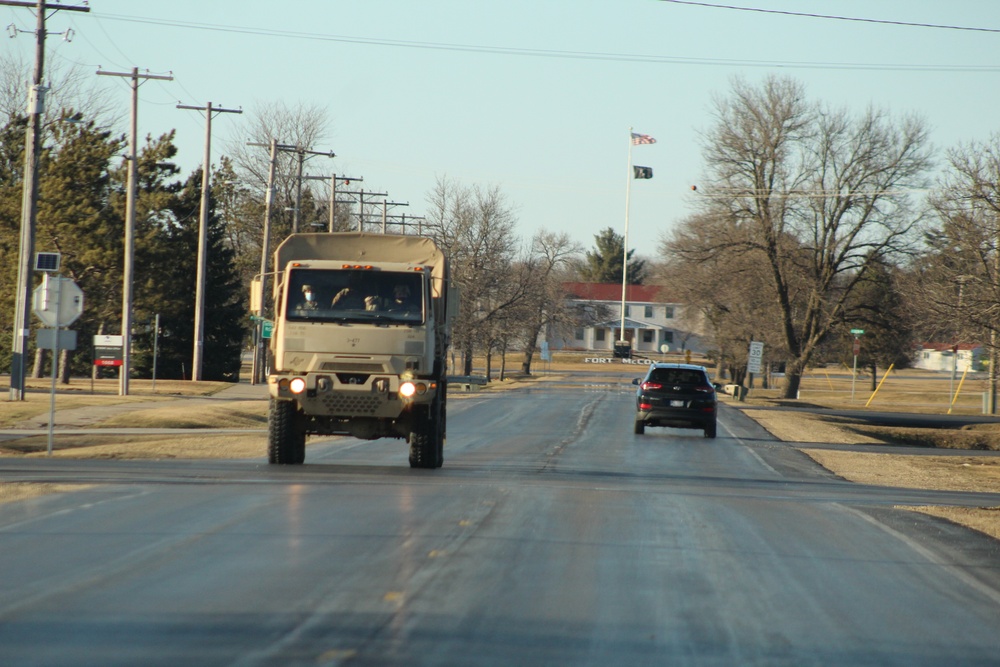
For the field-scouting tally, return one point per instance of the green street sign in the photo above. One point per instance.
(857, 332)
(266, 329)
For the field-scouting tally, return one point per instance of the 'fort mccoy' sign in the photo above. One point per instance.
(611, 360)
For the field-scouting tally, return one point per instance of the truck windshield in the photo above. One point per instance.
(354, 295)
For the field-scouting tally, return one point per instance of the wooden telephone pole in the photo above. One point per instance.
(29, 200)
(199, 294)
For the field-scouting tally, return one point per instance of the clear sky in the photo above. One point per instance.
(534, 96)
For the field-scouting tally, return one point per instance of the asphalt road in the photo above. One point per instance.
(552, 536)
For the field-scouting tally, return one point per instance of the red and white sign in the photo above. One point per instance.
(108, 350)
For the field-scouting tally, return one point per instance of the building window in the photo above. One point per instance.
(668, 312)
(599, 335)
(628, 310)
(649, 311)
(668, 337)
(579, 333)
(647, 335)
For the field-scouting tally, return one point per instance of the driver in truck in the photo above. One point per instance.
(352, 297)
(401, 301)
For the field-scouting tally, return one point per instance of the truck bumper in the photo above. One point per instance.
(347, 396)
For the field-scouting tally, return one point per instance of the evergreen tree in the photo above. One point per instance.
(604, 263)
(169, 290)
(77, 220)
(877, 307)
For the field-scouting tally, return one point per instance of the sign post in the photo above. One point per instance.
(57, 302)
(754, 358)
(857, 350)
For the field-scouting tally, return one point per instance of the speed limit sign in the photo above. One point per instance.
(754, 357)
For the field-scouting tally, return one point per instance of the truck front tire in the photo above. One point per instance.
(427, 437)
(286, 439)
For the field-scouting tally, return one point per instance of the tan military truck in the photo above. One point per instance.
(362, 324)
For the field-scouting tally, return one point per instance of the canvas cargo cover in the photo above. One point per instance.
(363, 248)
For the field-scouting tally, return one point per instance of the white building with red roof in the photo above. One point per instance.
(654, 322)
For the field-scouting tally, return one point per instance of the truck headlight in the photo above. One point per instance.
(297, 385)
(407, 389)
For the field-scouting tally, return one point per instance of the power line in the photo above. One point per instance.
(547, 53)
(830, 16)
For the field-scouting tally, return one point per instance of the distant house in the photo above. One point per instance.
(949, 356)
(653, 321)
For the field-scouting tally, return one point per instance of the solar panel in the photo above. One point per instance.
(47, 261)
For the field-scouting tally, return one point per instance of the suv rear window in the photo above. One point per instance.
(677, 376)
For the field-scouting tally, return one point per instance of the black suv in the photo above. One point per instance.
(678, 395)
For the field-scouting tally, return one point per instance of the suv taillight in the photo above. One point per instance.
(705, 389)
(651, 385)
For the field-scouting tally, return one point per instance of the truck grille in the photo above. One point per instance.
(352, 404)
(351, 367)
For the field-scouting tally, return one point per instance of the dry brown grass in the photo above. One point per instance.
(195, 446)
(80, 394)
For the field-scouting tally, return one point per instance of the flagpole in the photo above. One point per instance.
(628, 198)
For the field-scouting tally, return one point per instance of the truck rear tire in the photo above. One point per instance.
(286, 439)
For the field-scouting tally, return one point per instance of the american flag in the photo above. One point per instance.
(642, 139)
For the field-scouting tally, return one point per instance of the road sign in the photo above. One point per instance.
(858, 332)
(57, 302)
(857, 346)
(755, 355)
(108, 350)
(56, 339)
(266, 328)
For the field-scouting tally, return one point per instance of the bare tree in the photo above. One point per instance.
(727, 288)
(70, 91)
(960, 273)
(475, 226)
(545, 305)
(246, 172)
(816, 195)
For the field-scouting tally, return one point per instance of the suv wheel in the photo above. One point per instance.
(640, 427)
(710, 430)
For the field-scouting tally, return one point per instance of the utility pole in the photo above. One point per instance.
(333, 195)
(385, 211)
(29, 199)
(127, 279)
(404, 220)
(199, 293)
(302, 153)
(259, 353)
(361, 205)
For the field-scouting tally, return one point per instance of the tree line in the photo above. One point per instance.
(812, 221)
(511, 288)
(809, 221)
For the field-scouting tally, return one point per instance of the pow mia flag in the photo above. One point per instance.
(642, 172)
